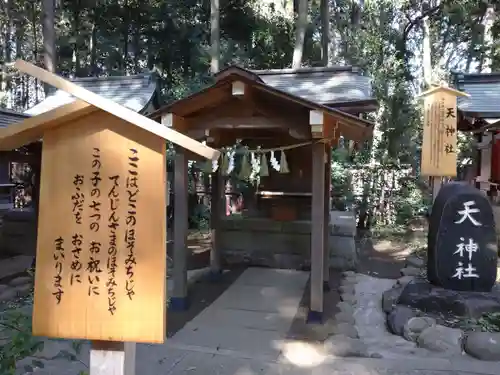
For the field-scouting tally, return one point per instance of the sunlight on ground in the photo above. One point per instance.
(303, 354)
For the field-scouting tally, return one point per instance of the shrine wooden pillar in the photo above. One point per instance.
(317, 233)
(217, 183)
(326, 233)
(485, 149)
(179, 297)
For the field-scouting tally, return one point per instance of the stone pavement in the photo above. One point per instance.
(243, 333)
(167, 359)
(252, 316)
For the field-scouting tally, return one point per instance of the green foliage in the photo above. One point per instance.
(17, 342)
(489, 322)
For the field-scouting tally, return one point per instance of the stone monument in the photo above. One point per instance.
(462, 244)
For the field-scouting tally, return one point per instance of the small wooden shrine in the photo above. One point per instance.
(479, 113)
(287, 139)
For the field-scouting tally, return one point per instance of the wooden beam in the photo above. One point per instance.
(326, 228)
(178, 300)
(316, 123)
(238, 88)
(317, 232)
(32, 129)
(208, 98)
(117, 110)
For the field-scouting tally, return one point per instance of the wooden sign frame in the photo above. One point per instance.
(101, 249)
(439, 138)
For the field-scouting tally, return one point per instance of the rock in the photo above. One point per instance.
(347, 289)
(397, 319)
(342, 317)
(345, 308)
(390, 299)
(348, 273)
(414, 261)
(23, 290)
(441, 339)
(402, 281)
(344, 346)
(483, 345)
(410, 271)
(345, 329)
(349, 298)
(424, 296)
(22, 280)
(414, 327)
(8, 295)
(350, 281)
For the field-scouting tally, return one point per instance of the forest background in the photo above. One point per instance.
(403, 45)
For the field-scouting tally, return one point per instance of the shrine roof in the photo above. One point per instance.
(324, 85)
(133, 92)
(484, 91)
(8, 117)
(220, 91)
(33, 128)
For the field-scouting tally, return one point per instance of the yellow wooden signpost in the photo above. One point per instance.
(101, 249)
(439, 143)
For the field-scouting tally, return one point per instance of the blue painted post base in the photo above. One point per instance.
(214, 276)
(179, 304)
(315, 317)
(326, 286)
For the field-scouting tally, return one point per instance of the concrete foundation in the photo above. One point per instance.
(285, 244)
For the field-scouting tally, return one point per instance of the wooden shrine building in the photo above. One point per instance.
(282, 115)
(139, 93)
(479, 113)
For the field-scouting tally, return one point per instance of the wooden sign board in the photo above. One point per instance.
(439, 146)
(101, 251)
(439, 143)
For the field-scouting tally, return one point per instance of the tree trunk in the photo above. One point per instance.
(49, 37)
(76, 35)
(487, 42)
(34, 23)
(325, 32)
(7, 48)
(300, 34)
(215, 36)
(126, 24)
(93, 44)
(426, 52)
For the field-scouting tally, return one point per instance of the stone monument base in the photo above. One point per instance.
(422, 295)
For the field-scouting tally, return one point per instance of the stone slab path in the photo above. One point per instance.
(252, 316)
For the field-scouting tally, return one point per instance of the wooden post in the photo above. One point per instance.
(215, 211)
(485, 162)
(179, 299)
(317, 232)
(326, 232)
(112, 358)
(437, 182)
